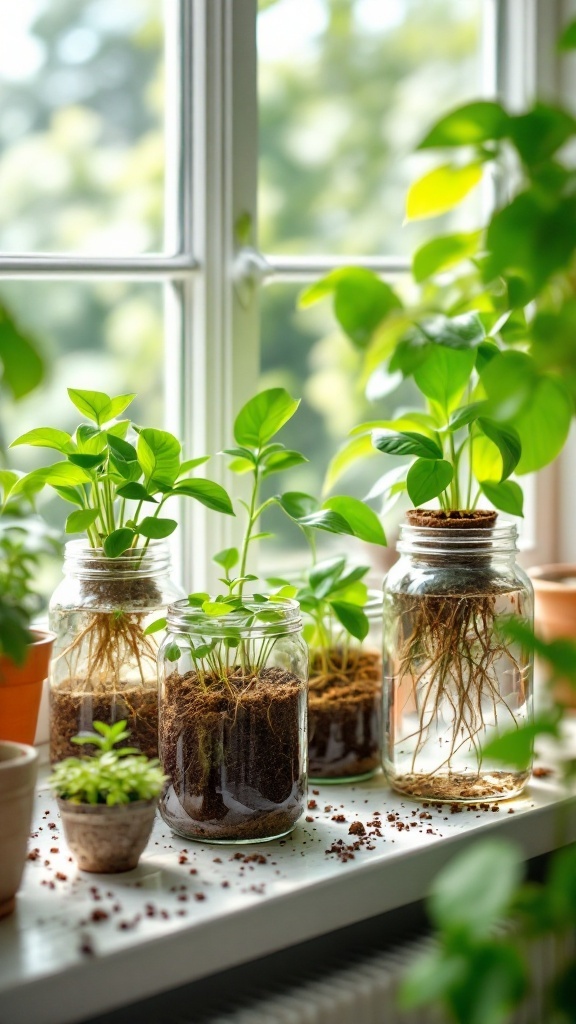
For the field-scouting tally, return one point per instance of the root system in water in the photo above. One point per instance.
(455, 683)
(344, 713)
(234, 751)
(107, 669)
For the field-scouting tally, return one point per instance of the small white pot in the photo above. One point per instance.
(18, 769)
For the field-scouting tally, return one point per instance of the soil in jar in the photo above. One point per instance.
(107, 671)
(455, 679)
(344, 701)
(233, 749)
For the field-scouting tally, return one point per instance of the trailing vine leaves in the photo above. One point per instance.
(117, 474)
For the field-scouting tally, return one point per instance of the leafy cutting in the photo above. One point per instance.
(112, 776)
(118, 475)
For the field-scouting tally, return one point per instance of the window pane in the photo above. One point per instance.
(104, 337)
(81, 126)
(347, 89)
(304, 351)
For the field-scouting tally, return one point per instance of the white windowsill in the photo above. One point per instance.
(299, 893)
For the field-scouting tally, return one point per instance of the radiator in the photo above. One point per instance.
(364, 992)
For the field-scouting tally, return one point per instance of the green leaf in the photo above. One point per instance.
(429, 978)
(135, 492)
(361, 303)
(353, 451)
(172, 652)
(191, 464)
(90, 440)
(155, 627)
(208, 493)
(459, 332)
(461, 901)
(159, 457)
(63, 474)
(506, 440)
(123, 450)
(442, 253)
(119, 429)
(445, 374)
(567, 40)
(481, 121)
(466, 415)
(47, 437)
(71, 494)
(324, 575)
(227, 558)
(427, 478)
(156, 529)
(198, 599)
(354, 620)
(540, 132)
(116, 406)
(92, 404)
(22, 366)
(515, 748)
(441, 190)
(7, 480)
(78, 522)
(87, 461)
(277, 462)
(296, 504)
(408, 443)
(217, 608)
(117, 542)
(506, 496)
(263, 416)
(326, 519)
(362, 520)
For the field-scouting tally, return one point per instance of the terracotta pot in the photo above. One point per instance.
(555, 611)
(107, 839)
(21, 689)
(18, 768)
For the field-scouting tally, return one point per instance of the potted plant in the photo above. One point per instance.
(119, 477)
(107, 801)
(24, 652)
(18, 769)
(233, 670)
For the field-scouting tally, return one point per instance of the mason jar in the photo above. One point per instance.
(453, 678)
(104, 666)
(345, 702)
(233, 722)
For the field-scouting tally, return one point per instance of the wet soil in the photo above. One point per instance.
(344, 714)
(235, 754)
(73, 709)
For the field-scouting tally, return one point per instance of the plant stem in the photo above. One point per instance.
(253, 514)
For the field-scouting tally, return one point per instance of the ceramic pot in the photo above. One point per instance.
(21, 689)
(555, 611)
(104, 839)
(18, 768)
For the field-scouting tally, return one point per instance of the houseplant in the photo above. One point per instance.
(104, 666)
(233, 669)
(107, 802)
(24, 652)
(18, 768)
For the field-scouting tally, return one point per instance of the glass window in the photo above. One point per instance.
(82, 126)
(347, 88)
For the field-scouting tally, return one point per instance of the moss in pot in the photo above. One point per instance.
(107, 801)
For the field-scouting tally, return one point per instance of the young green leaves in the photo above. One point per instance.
(113, 481)
(332, 591)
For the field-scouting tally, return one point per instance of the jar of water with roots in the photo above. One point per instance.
(104, 665)
(455, 675)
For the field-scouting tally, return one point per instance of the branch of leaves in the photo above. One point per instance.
(331, 588)
(103, 471)
(429, 474)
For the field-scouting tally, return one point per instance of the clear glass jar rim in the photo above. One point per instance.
(83, 560)
(183, 618)
(448, 540)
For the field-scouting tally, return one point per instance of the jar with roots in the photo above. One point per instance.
(233, 721)
(453, 677)
(104, 665)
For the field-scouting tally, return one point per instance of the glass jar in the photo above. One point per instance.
(233, 722)
(104, 667)
(453, 681)
(345, 702)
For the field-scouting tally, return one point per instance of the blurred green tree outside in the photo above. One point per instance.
(346, 87)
